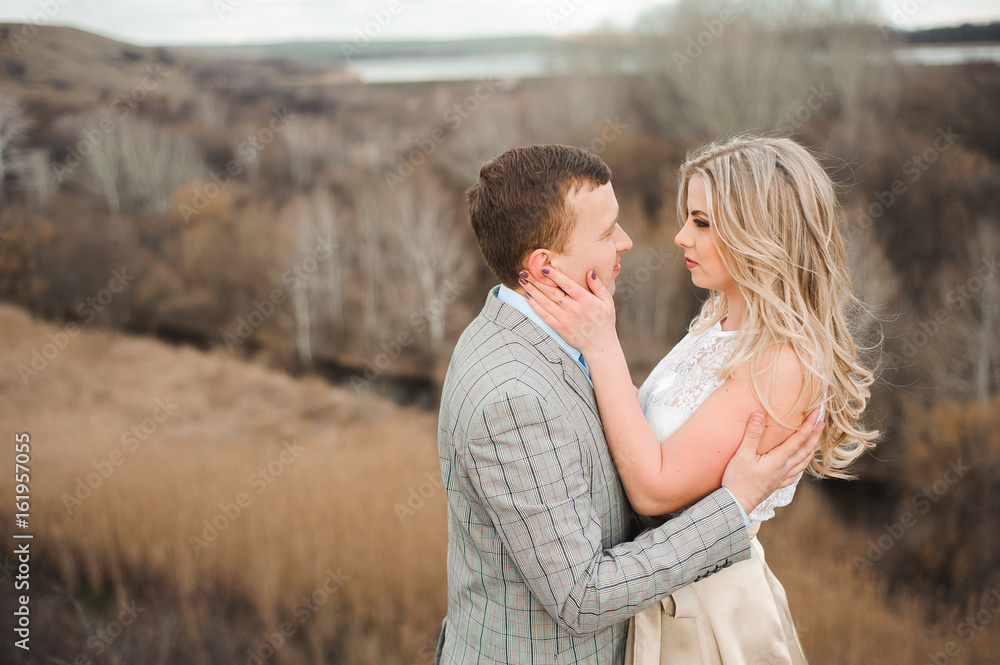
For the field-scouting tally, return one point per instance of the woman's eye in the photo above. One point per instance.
(701, 224)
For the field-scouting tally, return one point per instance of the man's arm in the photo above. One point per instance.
(532, 474)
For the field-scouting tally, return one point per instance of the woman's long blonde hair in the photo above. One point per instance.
(774, 216)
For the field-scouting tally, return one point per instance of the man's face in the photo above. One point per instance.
(596, 242)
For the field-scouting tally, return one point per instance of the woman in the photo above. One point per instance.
(760, 232)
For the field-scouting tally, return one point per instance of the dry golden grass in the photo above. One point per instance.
(331, 509)
(846, 617)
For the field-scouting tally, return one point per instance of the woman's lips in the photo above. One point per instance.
(689, 262)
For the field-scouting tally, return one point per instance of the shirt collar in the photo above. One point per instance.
(518, 302)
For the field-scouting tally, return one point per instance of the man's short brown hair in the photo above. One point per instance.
(519, 203)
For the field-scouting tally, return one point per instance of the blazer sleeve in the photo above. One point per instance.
(531, 472)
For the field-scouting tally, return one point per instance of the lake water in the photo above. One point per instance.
(503, 66)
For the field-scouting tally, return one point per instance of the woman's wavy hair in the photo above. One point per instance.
(775, 217)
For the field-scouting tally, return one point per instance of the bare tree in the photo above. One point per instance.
(484, 134)
(720, 68)
(154, 164)
(35, 173)
(102, 164)
(134, 165)
(431, 251)
(371, 258)
(310, 143)
(966, 348)
(986, 335)
(13, 126)
(211, 109)
(316, 275)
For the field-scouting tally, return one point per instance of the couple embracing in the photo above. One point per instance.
(549, 454)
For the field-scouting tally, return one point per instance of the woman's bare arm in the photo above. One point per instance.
(660, 477)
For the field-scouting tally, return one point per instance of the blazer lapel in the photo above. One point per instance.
(577, 380)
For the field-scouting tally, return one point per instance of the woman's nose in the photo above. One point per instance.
(681, 238)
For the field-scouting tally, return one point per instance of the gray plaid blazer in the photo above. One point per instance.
(542, 567)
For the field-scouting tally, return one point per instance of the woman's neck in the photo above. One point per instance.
(734, 312)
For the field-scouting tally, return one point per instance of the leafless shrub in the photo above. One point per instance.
(431, 250)
(35, 173)
(137, 166)
(311, 143)
(315, 272)
(13, 126)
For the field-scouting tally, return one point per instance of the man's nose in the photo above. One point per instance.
(624, 241)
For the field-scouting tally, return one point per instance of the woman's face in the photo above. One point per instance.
(698, 242)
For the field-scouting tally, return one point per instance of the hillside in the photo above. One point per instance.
(138, 447)
(219, 500)
(78, 69)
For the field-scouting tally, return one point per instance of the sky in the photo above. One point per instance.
(176, 22)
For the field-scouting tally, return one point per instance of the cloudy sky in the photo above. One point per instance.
(167, 22)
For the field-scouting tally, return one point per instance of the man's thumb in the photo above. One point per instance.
(754, 431)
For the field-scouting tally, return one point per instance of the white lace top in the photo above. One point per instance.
(682, 381)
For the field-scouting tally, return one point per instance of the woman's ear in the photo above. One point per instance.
(537, 260)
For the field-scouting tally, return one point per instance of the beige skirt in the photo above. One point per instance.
(736, 616)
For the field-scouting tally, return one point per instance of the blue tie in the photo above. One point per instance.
(584, 363)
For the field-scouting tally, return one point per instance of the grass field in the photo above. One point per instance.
(189, 507)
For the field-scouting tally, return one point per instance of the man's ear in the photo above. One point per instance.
(537, 260)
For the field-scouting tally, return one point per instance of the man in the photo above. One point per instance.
(541, 565)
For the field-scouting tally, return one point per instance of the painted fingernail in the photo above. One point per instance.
(593, 275)
(545, 270)
(523, 281)
(523, 274)
(528, 296)
(757, 419)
